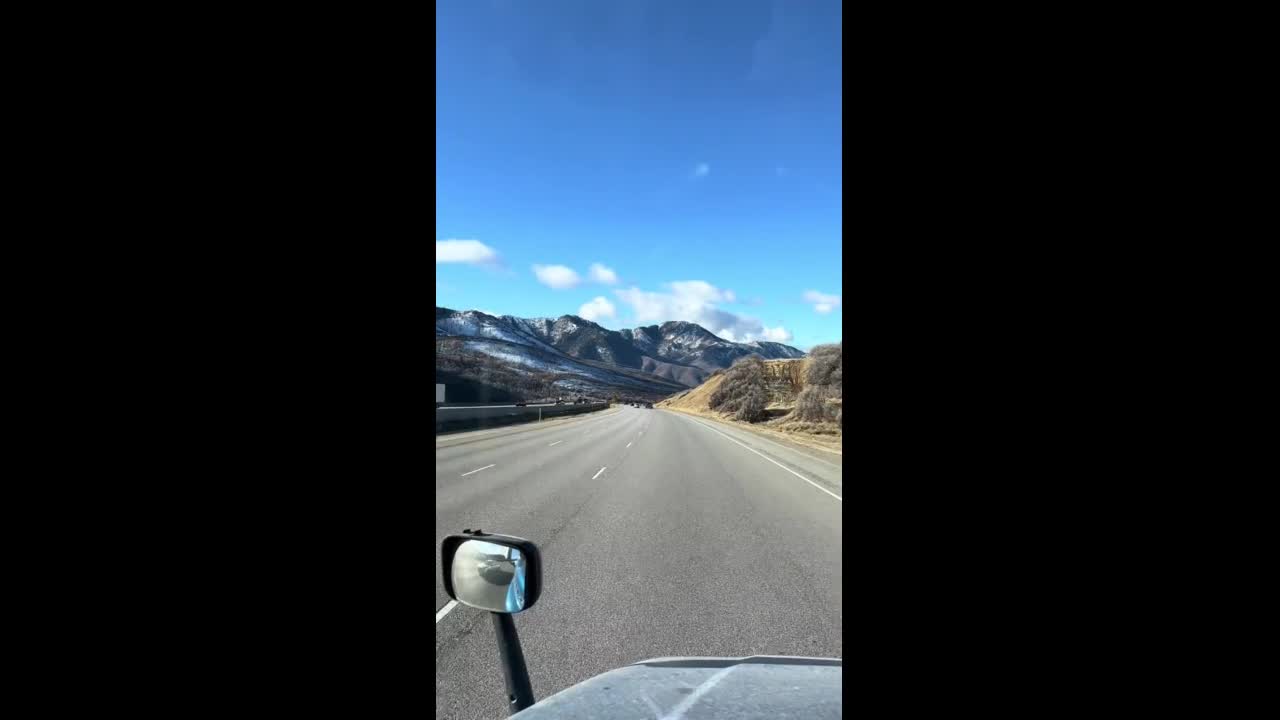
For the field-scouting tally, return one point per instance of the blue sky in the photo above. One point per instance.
(691, 149)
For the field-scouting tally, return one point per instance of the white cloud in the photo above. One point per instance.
(473, 252)
(601, 274)
(598, 308)
(778, 334)
(700, 291)
(556, 276)
(695, 301)
(701, 170)
(822, 303)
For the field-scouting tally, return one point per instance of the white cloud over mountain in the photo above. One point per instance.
(695, 301)
(778, 334)
(598, 309)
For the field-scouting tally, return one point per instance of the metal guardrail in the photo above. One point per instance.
(469, 418)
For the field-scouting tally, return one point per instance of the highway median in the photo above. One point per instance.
(462, 419)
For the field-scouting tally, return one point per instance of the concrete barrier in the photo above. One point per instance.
(471, 418)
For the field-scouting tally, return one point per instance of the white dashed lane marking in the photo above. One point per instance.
(445, 610)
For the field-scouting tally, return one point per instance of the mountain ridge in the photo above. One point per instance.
(674, 354)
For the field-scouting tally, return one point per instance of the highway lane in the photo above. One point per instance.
(695, 539)
(499, 497)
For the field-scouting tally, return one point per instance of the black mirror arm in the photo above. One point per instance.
(519, 689)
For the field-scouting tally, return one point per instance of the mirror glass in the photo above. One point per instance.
(489, 576)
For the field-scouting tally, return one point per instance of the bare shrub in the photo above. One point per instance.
(825, 365)
(742, 393)
(811, 404)
(823, 382)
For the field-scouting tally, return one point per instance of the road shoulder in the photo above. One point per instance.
(820, 453)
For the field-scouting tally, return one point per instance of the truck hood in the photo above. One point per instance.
(694, 688)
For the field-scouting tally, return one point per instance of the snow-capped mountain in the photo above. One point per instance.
(691, 344)
(653, 360)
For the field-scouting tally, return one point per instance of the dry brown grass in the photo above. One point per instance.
(698, 398)
(788, 424)
(823, 436)
(786, 380)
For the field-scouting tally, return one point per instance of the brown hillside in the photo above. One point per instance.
(695, 399)
(784, 380)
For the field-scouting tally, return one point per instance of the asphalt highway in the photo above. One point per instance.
(661, 534)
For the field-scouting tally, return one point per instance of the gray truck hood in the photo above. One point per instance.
(692, 688)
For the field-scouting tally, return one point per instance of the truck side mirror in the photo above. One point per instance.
(497, 573)
(501, 574)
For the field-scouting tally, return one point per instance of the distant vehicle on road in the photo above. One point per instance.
(522, 403)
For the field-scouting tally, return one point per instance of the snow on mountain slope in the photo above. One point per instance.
(674, 353)
(559, 370)
(776, 351)
(473, 323)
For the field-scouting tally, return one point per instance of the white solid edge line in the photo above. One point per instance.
(772, 441)
(593, 477)
(766, 457)
(445, 610)
(556, 443)
(486, 467)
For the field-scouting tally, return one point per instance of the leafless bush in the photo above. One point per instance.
(742, 392)
(825, 365)
(811, 404)
(823, 382)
